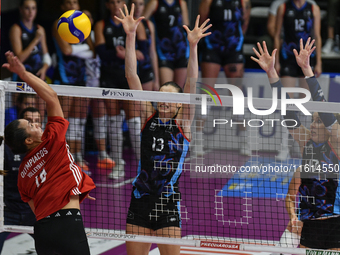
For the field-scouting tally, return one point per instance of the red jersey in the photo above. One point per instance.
(48, 173)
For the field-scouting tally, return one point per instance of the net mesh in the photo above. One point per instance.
(235, 175)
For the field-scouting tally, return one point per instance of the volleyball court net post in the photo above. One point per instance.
(228, 197)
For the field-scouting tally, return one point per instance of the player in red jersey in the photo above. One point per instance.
(49, 180)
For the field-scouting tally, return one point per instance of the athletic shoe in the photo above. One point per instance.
(328, 47)
(105, 163)
(118, 171)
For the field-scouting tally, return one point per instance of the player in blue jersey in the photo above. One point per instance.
(110, 46)
(295, 19)
(16, 212)
(71, 71)
(165, 140)
(298, 19)
(224, 49)
(168, 17)
(148, 71)
(28, 41)
(317, 183)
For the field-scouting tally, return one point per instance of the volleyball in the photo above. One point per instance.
(74, 26)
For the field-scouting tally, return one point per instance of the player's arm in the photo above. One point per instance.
(203, 10)
(328, 119)
(185, 13)
(267, 63)
(271, 22)
(31, 204)
(41, 88)
(318, 40)
(193, 37)
(16, 44)
(47, 61)
(246, 5)
(290, 201)
(153, 56)
(150, 8)
(130, 27)
(277, 37)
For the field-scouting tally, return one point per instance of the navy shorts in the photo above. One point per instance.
(321, 234)
(154, 212)
(221, 58)
(113, 78)
(289, 67)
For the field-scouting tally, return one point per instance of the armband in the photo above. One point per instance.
(315, 89)
(81, 51)
(47, 59)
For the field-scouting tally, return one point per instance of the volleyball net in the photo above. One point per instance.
(235, 174)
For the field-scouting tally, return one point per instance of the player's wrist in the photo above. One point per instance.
(307, 71)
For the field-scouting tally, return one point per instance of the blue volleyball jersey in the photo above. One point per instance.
(70, 70)
(12, 196)
(297, 24)
(114, 35)
(34, 62)
(319, 195)
(164, 148)
(171, 42)
(226, 32)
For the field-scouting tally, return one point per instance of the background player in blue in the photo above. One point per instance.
(148, 67)
(165, 141)
(71, 71)
(16, 212)
(28, 40)
(224, 48)
(110, 46)
(320, 146)
(298, 19)
(172, 47)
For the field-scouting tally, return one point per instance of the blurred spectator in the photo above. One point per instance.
(148, 67)
(168, 17)
(224, 47)
(22, 101)
(71, 71)
(110, 46)
(271, 22)
(16, 212)
(28, 42)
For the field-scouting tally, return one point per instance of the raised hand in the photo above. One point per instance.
(198, 32)
(14, 65)
(302, 58)
(265, 60)
(129, 24)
